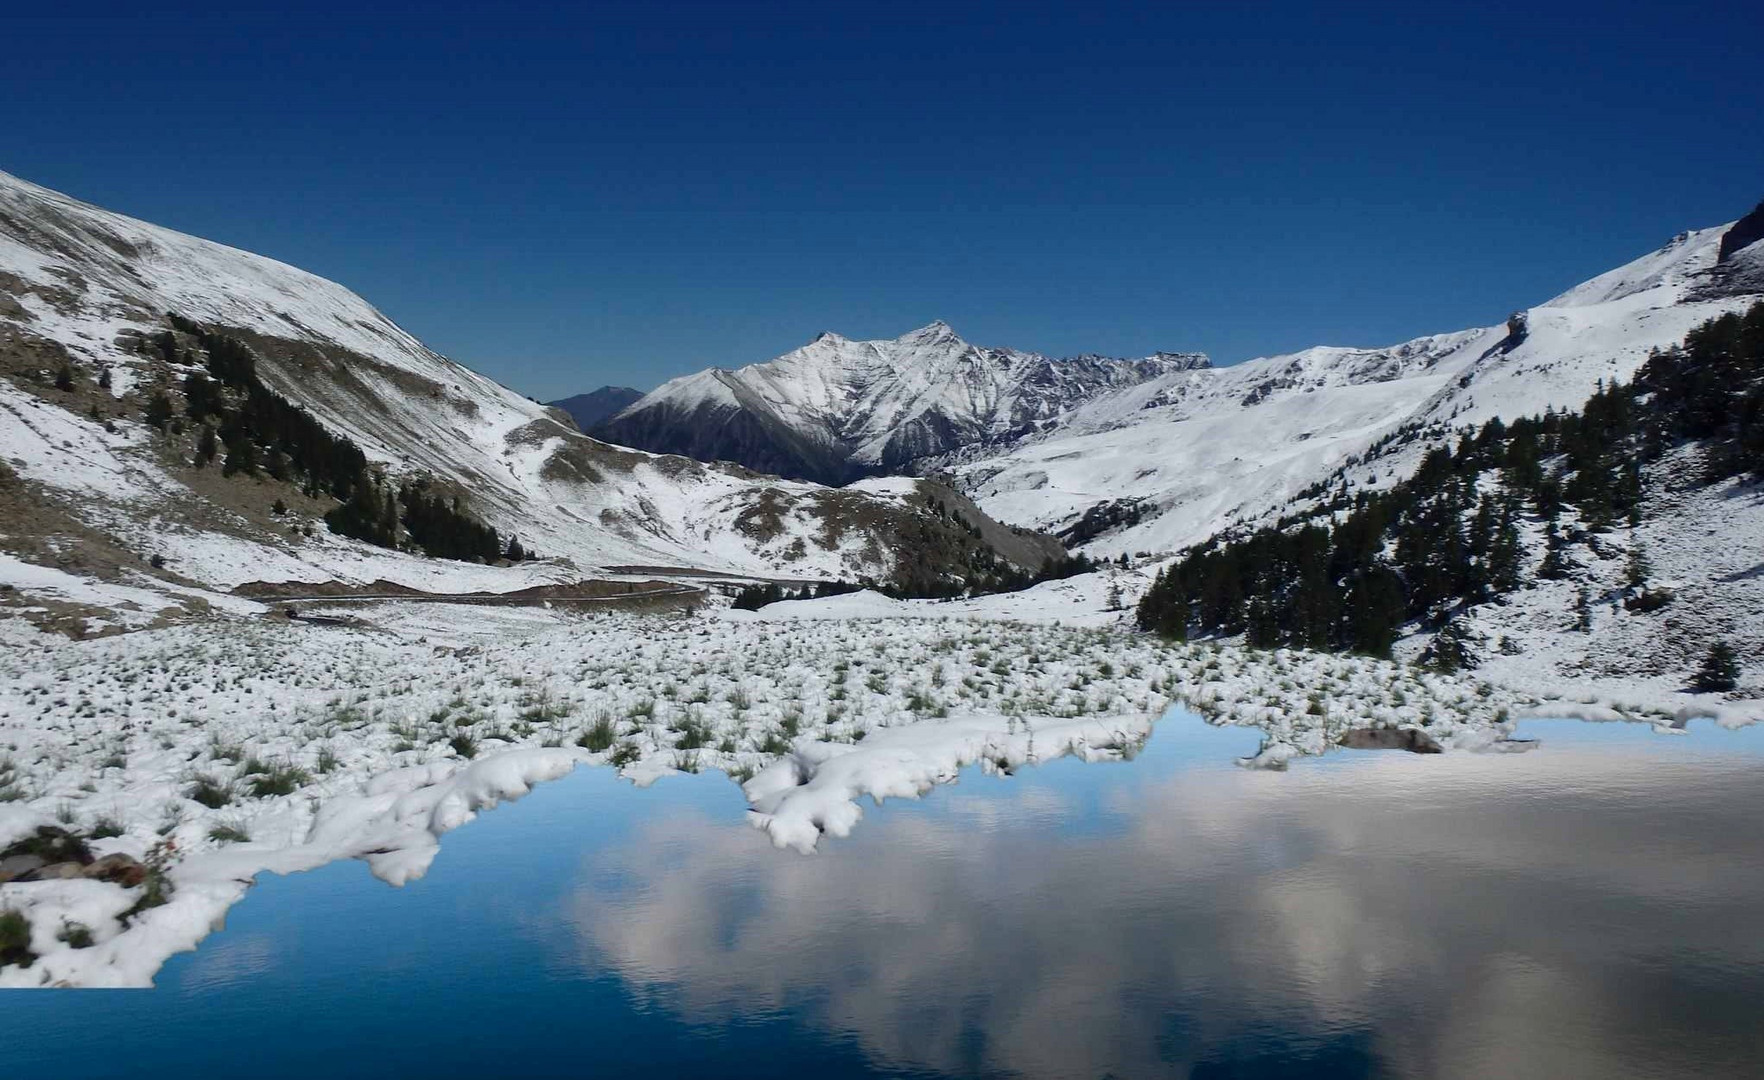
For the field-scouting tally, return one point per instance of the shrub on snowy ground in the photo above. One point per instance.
(76, 935)
(15, 939)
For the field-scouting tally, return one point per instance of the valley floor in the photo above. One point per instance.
(218, 749)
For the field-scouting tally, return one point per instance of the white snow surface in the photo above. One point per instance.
(859, 398)
(1215, 448)
(372, 742)
(94, 283)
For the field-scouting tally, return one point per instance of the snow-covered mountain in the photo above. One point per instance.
(86, 340)
(1172, 461)
(591, 408)
(837, 409)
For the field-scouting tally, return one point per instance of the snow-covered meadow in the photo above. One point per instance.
(219, 749)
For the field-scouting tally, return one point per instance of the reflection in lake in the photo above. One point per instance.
(1589, 909)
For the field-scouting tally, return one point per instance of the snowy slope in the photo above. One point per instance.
(1208, 449)
(836, 409)
(89, 289)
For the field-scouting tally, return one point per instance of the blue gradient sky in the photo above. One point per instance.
(567, 196)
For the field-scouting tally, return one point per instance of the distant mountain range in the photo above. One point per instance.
(836, 410)
(174, 410)
(1155, 454)
(126, 452)
(591, 408)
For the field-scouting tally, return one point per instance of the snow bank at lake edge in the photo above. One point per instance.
(392, 735)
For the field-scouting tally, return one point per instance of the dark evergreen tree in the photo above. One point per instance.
(1555, 561)
(201, 397)
(64, 378)
(443, 529)
(1505, 555)
(361, 516)
(1375, 611)
(1450, 650)
(754, 597)
(159, 410)
(1636, 568)
(1720, 671)
(241, 455)
(206, 446)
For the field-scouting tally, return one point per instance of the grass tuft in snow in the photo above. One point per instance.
(211, 793)
(278, 780)
(599, 735)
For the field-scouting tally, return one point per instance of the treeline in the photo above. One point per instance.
(259, 430)
(984, 572)
(1103, 517)
(376, 512)
(754, 597)
(255, 431)
(1448, 537)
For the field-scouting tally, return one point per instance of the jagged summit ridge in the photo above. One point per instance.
(838, 408)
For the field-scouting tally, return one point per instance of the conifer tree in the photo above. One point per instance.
(206, 446)
(1375, 609)
(201, 396)
(1636, 570)
(1555, 560)
(1504, 552)
(241, 456)
(159, 410)
(1450, 649)
(1720, 670)
(387, 526)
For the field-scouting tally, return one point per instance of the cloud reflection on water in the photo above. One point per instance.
(1576, 911)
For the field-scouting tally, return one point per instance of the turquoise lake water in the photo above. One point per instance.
(1592, 908)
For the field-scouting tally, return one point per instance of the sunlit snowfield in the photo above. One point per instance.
(1588, 909)
(221, 750)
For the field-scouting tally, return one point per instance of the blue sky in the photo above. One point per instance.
(570, 195)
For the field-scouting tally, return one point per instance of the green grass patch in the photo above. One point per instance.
(599, 735)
